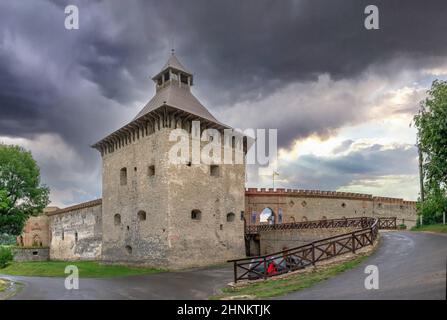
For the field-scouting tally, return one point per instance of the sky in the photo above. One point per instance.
(341, 97)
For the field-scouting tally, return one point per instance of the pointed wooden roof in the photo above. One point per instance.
(172, 96)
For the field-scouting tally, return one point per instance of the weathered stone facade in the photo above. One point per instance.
(76, 232)
(303, 205)
(31, 254)
(35, 232)
(271, 241)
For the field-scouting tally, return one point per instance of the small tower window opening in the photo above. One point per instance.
(151, 171)
(230, 217)
(129, 249)
(117, 219)
(123, 176)
(196, 214)
(63, 235)
(166, 76)
(184, 78)
(76, 237)
(141, 215)
(343, 205)
(214, 170)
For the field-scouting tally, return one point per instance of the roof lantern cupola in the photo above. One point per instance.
(173, 73)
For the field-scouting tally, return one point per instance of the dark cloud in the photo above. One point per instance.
(331, 173)
(82, 84)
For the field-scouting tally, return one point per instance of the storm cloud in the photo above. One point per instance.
(304, 67)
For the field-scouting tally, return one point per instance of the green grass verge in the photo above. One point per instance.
(276, 287)
(87, 269)
(3, 285)
(442, 228)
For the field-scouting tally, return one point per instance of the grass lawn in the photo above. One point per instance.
(275, 287)
(3, 285)
(432, 227)
(87, 269)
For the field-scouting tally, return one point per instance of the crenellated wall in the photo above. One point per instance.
(301, 205)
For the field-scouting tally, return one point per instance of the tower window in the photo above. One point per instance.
(63, 235)
(123, 176)
(141, 215)
(183, 79)
(76, 237)
(214, 170)
(343, 205)
(129, 249)
(117, 219)
(151, 171)
(166, 76)
(196, 214)
(230, 217)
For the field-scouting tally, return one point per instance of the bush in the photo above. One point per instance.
(432, 208)
(5, 256)
(7, 239)
(402, 226)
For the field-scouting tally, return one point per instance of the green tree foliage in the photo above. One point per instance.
(6, 256)
(431, 123)
(21, 193)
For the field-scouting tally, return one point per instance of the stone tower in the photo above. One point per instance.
(159, 213)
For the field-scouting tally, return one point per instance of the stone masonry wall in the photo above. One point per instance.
(219, 233)
(132, 240)
(306, 205)
(76, 232)
(168, 193)
(35, 232)
(31, 254)
(277, 240)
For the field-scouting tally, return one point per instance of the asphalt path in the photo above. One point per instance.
(411, 265)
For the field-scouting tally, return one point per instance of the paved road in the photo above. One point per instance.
(190, 284)
(412, 265)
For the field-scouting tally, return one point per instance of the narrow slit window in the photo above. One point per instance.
(214, 170)
(151, 171)
(123, 176)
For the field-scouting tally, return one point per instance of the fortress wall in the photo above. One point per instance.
(35, 232)
(302, 205)
(212, 239)
(276, 240)
(132, 240)
(76, 232)
(405, 211)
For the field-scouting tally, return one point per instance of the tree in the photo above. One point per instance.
(21, 193)
(431, 123)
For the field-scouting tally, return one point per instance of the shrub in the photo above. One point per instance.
(402, 226)
(5, 256)
(7, 239)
